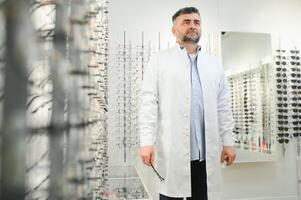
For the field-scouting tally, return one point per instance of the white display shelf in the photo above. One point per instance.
(245, 156)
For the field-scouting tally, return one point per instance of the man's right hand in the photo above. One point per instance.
(147, 154)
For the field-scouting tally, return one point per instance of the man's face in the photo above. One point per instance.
(187, 28)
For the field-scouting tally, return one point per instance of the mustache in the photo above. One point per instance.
(193, 30)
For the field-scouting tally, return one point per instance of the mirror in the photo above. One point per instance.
(247, 61)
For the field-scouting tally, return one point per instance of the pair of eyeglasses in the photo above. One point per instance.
(249, 117)
(283, 134)
(296, 110)
(280, 50)
(281, 92)
(296, 116)
(281, 75)
(282, 116)
(281, 80)
(282, 110)
(283, 122)
(297, 128)
(296, 122)
(283, 128)
(280, 63)
(294, 92)
(282, 104)
(296, 75)
(159, 176)
(296, 98)
(296, 87)
(280, 57)
(295, 51)
(283, 140)
(296, 69)
(282, 98)
(295, 57)
(281, 86)
(296, 104)
(296, 81)
(296, 134)
(279, 69)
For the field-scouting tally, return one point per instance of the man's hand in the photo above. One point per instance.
(228, 154)
(147, 154)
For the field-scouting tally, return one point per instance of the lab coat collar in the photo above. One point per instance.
(182, 48)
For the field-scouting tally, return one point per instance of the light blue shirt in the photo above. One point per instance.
(197, 137)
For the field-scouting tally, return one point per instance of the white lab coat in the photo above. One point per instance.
(164, 119)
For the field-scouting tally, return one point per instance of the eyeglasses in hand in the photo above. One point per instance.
(159, 176)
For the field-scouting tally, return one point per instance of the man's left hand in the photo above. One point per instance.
(228, 154)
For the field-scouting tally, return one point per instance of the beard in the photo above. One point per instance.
(192, 37)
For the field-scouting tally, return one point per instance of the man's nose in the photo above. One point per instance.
(192, 25)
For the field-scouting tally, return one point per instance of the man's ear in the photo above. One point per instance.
(173, 30)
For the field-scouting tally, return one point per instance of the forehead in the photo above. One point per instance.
(191, 16)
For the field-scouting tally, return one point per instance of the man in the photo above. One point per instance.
(185, 115)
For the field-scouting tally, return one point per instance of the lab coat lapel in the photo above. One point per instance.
(184, 56)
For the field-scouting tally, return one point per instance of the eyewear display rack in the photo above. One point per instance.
(266, 104)
(288, 102)
(131, 61)
(288, 97)
(250, 105)
(54, 105)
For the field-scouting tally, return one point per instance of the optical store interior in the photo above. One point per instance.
(70, 78)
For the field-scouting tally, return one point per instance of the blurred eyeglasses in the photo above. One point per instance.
(159, 176)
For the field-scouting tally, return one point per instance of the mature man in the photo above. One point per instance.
(185, 116)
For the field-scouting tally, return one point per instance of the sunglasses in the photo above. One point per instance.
(280, 57)
(281, 80)
(281, 74)
(283, 134)
(296, 116)
(282, 116)
(295, 57)
(283, 86)
(294, 92)
(295, 63)
(296, 98)
(280, 50)
(296, 75)
(283, 128)
(280, 63)
(282, 98)
(296, 81)
(279, 69)
(281, 92)
(283, 122)
(296, 122)
(295, 69)
(283, 140)
(282, 104)
(294, 51)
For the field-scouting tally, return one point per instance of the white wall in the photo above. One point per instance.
(265, 180)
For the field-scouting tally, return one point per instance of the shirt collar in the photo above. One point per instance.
(198, 47)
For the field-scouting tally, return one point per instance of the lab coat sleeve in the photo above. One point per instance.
(148, 109)
(225, 117)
